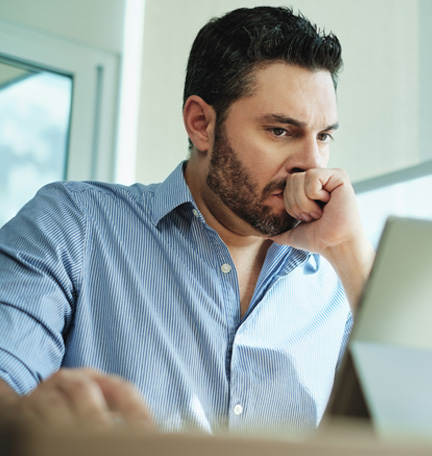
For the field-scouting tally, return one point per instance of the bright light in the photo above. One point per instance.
(130, 91)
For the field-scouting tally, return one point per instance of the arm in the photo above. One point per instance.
(332, 227)
(41, 252)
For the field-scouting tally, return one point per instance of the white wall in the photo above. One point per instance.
(378, 92)
(384, 99)
(95, 23)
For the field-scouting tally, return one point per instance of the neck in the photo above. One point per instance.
(247, 248)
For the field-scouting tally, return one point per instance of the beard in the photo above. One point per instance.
(230, 180)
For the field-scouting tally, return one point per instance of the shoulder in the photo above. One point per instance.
(67, 204)
(104, 189)
(92, 194)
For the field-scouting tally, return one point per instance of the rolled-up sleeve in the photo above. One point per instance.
(41, 252)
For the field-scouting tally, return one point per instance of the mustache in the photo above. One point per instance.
(273, 187)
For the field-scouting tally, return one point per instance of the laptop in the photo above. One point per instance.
(386, 374)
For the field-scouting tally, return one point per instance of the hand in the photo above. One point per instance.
(323, 200)
(85, 398)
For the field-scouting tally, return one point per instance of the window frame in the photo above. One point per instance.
(95, 74)
(370, 192)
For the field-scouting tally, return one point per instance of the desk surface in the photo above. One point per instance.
(335, 440)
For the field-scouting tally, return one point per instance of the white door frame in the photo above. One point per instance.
(93, 131)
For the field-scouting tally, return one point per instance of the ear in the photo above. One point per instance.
(199, 119)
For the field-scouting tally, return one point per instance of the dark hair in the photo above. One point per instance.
(228, 49)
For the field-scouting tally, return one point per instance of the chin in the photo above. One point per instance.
(275, 227)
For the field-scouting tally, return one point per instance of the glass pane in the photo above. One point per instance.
(404, 199)
(35, 110)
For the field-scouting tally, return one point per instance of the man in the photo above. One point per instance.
(200, 291)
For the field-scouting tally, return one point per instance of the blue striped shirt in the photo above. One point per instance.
(132, 281)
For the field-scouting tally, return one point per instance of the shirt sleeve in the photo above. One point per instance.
(41, 252)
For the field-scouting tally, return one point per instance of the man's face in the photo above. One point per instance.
(285, 126)
(235, 186)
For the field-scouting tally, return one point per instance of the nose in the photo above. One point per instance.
(310, 153)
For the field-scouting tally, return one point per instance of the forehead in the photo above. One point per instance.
(292, 91)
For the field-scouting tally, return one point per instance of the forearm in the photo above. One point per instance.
(353, 263)
(335, 231)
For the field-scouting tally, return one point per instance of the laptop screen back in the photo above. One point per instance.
(387, 372)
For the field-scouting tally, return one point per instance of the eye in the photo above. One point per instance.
(325, 137)
(279, 132)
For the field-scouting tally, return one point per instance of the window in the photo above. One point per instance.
(74, 89)
(405, 193)
(35, 110)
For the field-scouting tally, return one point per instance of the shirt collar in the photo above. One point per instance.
(174, 192)
(170, 194)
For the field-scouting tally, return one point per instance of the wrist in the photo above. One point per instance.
(352, 260)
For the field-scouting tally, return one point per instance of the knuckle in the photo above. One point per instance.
(54, 400)
(61, 374)
(118, 381)
(79, 386)
(74, 382)
(312, 173)
(343, 173)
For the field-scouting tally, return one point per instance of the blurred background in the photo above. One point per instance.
(93, 90)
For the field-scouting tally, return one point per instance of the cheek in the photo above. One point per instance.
(262, 163)
(326, 155)
(254, 153)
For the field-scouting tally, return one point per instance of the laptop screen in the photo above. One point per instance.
(387, 370)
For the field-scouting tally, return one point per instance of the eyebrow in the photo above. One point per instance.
(294, 122)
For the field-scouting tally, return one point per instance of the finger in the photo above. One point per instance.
(125, 401)
(294, 194)
(48, 405)
(300, 198)
(85, 397)
(70, 397)
(106, 400)
(314, 187)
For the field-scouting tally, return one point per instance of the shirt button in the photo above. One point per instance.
(238, 409)
(226, 268)
(195, 212)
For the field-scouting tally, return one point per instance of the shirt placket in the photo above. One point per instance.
(241, 402)
(231, 301)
